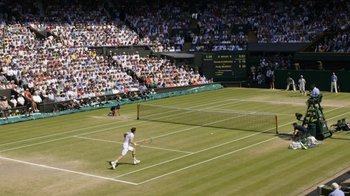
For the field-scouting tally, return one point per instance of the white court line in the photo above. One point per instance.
(84, 128)
(339, 115)
(273, 102)
(67, 137)
(75, 130)
(58, 140)
(106, 178)
(203, 150)
(194, 127)
(143, 146)
(49, 141)
(208, 160)
(217, 157)
(282, 102)
(151, 179)
(188, 110)
(167, 134)
(206, 104)
(67, 170)
(55, 134)
(62, 138)
(92, 132)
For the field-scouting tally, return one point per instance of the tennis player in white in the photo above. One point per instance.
(127, 146)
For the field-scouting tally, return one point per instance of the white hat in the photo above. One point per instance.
(335, 185)
(301, 76)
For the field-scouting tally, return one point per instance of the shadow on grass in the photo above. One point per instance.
(333, 138)
(285, 136)
(109, 162)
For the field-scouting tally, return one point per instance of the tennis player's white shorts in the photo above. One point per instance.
(126, 149)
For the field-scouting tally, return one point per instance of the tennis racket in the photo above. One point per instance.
(145, 141)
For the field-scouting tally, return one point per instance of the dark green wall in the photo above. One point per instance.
(330, 56)
(321, 78)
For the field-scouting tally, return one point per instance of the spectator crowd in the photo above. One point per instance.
(208, 25)
(61, 66)
(338, 43)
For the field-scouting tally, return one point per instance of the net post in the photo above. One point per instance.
(276, 122)
(138, 112)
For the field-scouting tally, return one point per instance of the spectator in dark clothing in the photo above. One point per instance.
(299, 131)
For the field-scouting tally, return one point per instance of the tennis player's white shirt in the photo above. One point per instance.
(127, 143)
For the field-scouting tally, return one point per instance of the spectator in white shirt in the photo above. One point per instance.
(20, 100)
(13, 101)
(36, 97)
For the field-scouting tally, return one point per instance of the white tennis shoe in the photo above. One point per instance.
(136, 162)
(113, 164)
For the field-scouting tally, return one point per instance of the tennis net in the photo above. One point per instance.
(249, 121)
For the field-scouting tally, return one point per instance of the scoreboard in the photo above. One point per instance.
(224, 66)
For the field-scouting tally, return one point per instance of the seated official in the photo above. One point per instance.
(314, 94)
(336, 191)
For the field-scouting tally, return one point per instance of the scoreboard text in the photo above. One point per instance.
(224, 67)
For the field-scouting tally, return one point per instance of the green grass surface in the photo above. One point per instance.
(67, 155)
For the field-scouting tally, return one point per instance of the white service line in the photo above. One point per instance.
(143, 146)
(194, 127)
(67, 137)
(283, 102)
(84, 128)
(62, 138)
(166, 174)
(203, 150)
(273, 102)
(91, 132)
(176, 114)
(67, 170)
(187, 110)
(55, 134)
(339, 115)
(208, 160)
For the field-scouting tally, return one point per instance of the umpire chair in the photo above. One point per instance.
(315, 120)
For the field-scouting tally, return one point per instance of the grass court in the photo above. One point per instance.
(67, 155)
